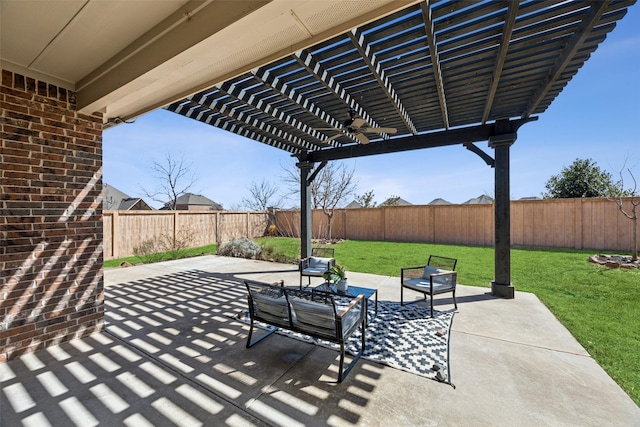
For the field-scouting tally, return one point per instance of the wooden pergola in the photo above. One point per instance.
(440, 72)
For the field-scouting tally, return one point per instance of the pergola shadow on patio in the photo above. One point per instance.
(174, 353)
(306, 77)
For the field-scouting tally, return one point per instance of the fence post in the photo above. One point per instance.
(218, 243)
(578, 223)
(175, 227)
(115, 236)
(384, 223)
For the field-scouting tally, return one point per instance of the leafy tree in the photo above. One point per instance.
(174, 178)
(366, 200)
(583, 178)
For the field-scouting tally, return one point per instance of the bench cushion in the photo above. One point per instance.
(271, 306)
(313, 317)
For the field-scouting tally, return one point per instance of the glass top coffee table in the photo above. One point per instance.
(352, 291)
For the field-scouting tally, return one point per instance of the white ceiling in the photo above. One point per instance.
(125, 58)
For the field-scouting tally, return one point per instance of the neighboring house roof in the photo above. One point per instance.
(195, 201)
(480, 200)
(439, 201)
(392, 201)
(353, 205)
(117, 200)
(531, 198)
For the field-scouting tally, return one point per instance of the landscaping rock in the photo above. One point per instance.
(614, 261)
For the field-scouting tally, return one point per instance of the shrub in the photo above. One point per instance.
(174, 245)
(148, 251)
(241, 248)
(270, 253)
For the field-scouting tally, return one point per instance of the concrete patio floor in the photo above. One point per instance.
(172, 354)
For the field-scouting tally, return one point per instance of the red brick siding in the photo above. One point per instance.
(51, 282)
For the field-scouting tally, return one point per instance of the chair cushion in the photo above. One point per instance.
(428, 271)
(315, 271)
(442, 281)
(319, 262)
(417, 282)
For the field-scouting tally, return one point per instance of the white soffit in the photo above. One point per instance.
(63, 41)
(270, 32)
(125, 58)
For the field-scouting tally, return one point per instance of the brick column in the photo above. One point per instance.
(51, 282)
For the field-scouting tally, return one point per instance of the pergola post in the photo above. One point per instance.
(502, 286)
(305, 208)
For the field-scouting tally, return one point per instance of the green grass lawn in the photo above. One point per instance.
(600, 306)
(201, 250)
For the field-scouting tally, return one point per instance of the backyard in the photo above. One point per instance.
(599, 306)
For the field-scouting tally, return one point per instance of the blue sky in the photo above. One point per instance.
(596, 116)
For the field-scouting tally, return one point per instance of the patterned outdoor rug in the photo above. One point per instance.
(402, 337)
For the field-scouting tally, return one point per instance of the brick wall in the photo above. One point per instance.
(51, 287)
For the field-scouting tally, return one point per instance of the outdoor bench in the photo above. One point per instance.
(314, 313)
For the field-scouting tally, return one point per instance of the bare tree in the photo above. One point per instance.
(366, 200)
(263, 196)
(618, 194)
(331, 186)
(174, 178)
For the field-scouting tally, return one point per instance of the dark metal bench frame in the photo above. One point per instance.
(340, 336)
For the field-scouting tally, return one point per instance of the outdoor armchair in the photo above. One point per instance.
(317, 264)
(438, 276)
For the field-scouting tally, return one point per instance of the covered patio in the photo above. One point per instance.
(173, 353)
(160, 342)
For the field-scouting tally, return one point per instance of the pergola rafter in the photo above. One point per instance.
(509, 24)
(280, 117)
(219, 115)
(378, 73)
(435, 62)
(332, 85)
(596, 9)
(301, 101)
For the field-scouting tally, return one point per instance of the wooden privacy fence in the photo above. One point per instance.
(593, 224)
(125, 230)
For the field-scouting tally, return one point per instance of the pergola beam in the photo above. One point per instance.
(466, 135)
